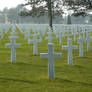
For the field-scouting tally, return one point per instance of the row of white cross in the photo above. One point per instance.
(51, 55)
(44, 27)
(35, 41)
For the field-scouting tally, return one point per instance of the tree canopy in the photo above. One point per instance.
(79, 7)
(58, 7)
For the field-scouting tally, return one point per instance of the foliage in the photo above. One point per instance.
(79, 7)
(40, 7)
(91, 18)
(53, 7)
(12, 13)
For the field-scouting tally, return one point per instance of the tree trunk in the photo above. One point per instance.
(49, 4)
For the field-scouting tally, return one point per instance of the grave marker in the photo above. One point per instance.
(70, 47)
(60, 38)
(50, 38)
(50, 56)
(13, 47)
(88, 41)
(81, 47)
(35, 42)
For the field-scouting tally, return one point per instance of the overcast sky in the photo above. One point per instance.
(10, 3)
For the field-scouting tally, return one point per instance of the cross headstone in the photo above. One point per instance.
(70, 47)
(50, 38)
(83, 35)
(56, 31)
(29, 36)
(63, 34)
(60, 38)
(88, 39)
(35, 42)
(69, 34)
(40, 35)
(13, 33)
(26, 34)
(51, 55)
(81, 46)
(21, 27)
(43, 30)
(13, 47)
(7, 27)
(74, 36)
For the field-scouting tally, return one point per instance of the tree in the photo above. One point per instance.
(41, 7)
(52, 7)
(79, 7)
(91, 18)
(12, 14)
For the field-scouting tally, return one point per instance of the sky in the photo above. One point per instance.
(10, 3)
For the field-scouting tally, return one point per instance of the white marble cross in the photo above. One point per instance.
(70, 47)
(50, 38)
(56, 33)
(88, 39)
(83, 35)
(21, 27)
(81, 47)
(74, 36)
(29, 36)
(40, 35)
(79, 33)
(69, 34)
(35, 42)
(42, 32)
(60, 38)
(13, 47)
(26, 34)
(51, 55)
(63, 34)
(7, 27)
(13, 33)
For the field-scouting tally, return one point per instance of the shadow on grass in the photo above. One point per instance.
(26, 64)
(79, 67)
(70, 81)
(85, 57)
(70, 67)
(18, 80)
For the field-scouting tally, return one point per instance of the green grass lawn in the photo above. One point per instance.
(30, 73)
